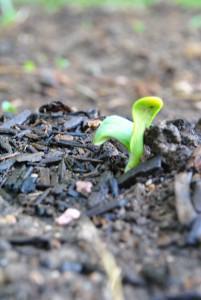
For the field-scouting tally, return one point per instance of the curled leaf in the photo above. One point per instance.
(114, 127)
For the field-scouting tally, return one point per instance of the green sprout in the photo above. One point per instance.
(8, 107)
(62, 63)
(29, 66)
(128, 133)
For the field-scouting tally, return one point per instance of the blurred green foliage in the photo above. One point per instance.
(29, 66)
(54, 4)
(8, 107)
(62, 63)
(189, 3)
(8, 12)
(195, 22)
(139, 26)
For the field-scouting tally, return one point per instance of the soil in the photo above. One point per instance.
(145, 223)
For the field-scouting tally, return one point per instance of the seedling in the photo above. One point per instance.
(29, 66)
(8, 107)
(62, 63)
(128, 133)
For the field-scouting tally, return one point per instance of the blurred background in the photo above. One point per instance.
(101, 54)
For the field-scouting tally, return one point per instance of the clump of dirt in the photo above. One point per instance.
(175, 141)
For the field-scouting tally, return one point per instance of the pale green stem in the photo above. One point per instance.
(135, 154)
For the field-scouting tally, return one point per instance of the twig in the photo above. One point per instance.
(89, 233)
(10, 155)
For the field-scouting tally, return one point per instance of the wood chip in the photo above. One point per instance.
(196, 196)
(185, 210)
(17, 120)
(30, 157)
(129, 178)
(63, 137)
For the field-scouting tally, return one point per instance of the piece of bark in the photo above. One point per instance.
(17, 120)
(194, 236)
(196, 196)
(106, 207)
(5, 145)
(29, 157)
(185, 210)
(44, 177)
(6, 165)
(145, 168)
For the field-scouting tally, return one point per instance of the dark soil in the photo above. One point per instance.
(150, 217)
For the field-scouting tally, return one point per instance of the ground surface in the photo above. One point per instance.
(149, 221)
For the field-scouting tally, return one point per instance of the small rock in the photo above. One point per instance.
(8, 219)
(193, 50)
(156, 274)
(84, 187)
(48, 78)
(93, 124)
(183, 88)
(68, 216)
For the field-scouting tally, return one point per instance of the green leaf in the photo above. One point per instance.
(144, 111)
(114, 127)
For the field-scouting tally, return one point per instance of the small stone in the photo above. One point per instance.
(8, 219)
(93, 124)
(193, 50)
(84, 187)
(68, 216)
(183, 88)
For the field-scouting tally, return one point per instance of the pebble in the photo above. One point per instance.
(84, 187)
(68, 216)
